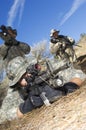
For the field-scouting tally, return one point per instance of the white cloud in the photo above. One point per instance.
(18, 5)
(75, 6)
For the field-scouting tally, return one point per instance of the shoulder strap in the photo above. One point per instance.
(63, 38)
(6, 52)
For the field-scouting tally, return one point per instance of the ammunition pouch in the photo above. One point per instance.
(36, 101)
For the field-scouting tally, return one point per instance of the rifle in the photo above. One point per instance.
(50, 76)
(77, 45)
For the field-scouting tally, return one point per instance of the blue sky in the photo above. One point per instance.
(34, 19)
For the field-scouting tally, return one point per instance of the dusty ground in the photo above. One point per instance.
(68, 113)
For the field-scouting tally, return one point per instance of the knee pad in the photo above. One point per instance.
(70, 87)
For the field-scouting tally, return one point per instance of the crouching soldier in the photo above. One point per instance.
(62, 46)
(36, 95)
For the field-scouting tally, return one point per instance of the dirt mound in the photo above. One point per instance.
(81, 48)
(81, 61)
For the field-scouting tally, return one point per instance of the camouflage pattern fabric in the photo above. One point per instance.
(68, 73)
(62, 47)
(10, 52)
(15, 69)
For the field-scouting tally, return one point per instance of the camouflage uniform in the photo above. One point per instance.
(62, 47)
(10, 52)
(68, 73)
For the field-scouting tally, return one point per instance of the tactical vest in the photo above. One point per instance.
(64, 39)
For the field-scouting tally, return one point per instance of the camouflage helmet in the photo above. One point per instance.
(15, 69)
(53, 31)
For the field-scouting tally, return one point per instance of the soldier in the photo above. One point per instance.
(61, 46)
(35, 97)
(11, 47)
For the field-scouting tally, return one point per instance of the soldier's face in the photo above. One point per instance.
(55, 34)
(12, 34)
(23, 81)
